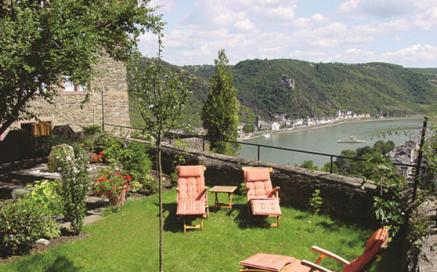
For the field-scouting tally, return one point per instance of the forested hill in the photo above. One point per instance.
(320, 89)
(299, 88)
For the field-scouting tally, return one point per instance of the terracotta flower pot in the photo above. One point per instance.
(118, 200)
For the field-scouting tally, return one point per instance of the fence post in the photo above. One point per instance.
(203, 144)
(419, 159)
(330, 164)
(259, 154)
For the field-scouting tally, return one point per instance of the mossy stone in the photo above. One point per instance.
(58, 153)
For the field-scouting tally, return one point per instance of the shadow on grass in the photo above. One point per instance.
(246, 220)
(330, 226)
(61, 263)
(171, 222)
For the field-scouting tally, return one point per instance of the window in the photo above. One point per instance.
(38, 129)
(69, 86)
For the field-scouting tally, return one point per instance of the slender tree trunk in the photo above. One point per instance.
(159, 169)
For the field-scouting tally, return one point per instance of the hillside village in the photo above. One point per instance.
(283, 123)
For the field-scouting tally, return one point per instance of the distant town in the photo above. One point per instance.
(281, 122)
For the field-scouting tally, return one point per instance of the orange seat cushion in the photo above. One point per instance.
(265, 207)
(191, 207)
(269, 262)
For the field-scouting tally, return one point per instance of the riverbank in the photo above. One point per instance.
(325, 139)
(264, 133)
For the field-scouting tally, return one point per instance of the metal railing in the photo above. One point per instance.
(204, 138)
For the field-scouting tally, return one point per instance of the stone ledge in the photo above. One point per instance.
(356, 183)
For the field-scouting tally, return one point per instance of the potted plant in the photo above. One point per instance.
(113, 184)
(96, 157)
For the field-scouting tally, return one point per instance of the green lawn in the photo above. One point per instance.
(128, 241)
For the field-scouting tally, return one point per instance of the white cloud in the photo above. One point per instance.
(244, 24)
(395, 25)
(427, 19)
(275, 29)
(424, 55)
(378, 8)
(420, 13)
(349, 5)
(163, 5)
(355, 55)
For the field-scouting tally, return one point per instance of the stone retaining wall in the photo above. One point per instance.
(347, 198)
(424, 257)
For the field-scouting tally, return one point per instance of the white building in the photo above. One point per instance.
(276, 126)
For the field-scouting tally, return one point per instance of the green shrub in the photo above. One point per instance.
(309, 165)
(21, 224)
(389, 206)
(248, 128)
(75, 186)
(92, 134)
(174, 179)
(150, 184)
(92, 130)
(136, 161)
(46, 194)
(114, 152)
(316, 201)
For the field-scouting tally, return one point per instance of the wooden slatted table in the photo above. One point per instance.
(224, 190)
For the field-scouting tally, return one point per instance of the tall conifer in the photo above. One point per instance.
(220, 112)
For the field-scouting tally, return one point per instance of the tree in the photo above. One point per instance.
(309, 165)
(220, 112)
(159, 97)
(248, 128)
(42, 41)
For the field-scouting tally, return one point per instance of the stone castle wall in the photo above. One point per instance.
(69, 108)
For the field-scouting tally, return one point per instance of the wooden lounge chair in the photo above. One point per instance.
(261, 197)
(192, 196)
(279, 263)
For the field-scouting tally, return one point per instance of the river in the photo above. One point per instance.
(324, 140)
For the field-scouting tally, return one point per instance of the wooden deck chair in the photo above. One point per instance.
(279, 263)
(192, 196)
(262, 198)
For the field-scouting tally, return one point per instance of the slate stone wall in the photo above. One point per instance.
(68, 108)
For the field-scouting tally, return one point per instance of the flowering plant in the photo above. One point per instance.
(96, 158)
(112, 184)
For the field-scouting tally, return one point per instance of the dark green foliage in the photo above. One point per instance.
(220, 112)
(75, 186)
(389, 204)
(199, 88)
(429, 181)
(356, 168)
(138, 165)
(322, 88)
(21, 224)
(384, 147)
(92, 130)
(42, 41)
(309, 165)
(248, 128)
